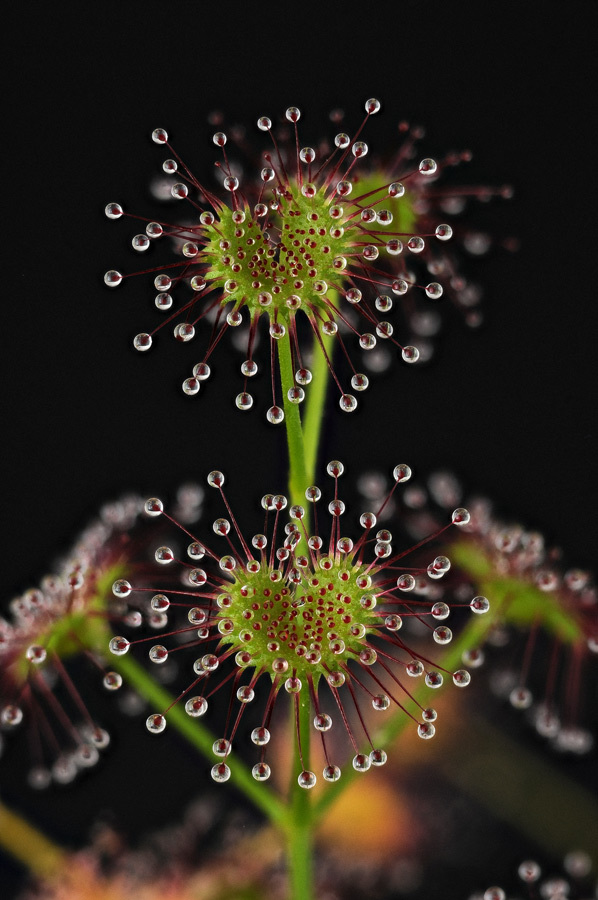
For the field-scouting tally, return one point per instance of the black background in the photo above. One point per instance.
(510, 408)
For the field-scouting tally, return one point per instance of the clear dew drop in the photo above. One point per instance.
(112, 681)
(163, 302)
(184, 332)
(415, 668)
(162, 282)
(416, 244)
(86, 756)
(293, 685)
(342, 140)
(331, 773)
(11, 715)
(191, 386)
(118, 646)
(245, 694)
(244, 400)
(335, 679)
(480, 605)
(36, 654)
(460, 516)
(179, 191)
(196, 706)
(64, 770)
(155, 723)
(393, 622)
(335, 468)
(112, 278)
(380, 702)
(306, 780)
(434, 290)
(474, 657)
(198, 283)
(261, 771)
(361, 762)
(275, 415)
(520, 698)
(399, 287)
(159, 136)
(202, 371)
(394, 247)
(442, 635)
(142, 342)
(260, 736)
(443, 232)
(164, 556)
(153, 507)
(296, 395)
(440, 611)
(158, 654)
(410, 354)
(529, 871)
(384, 330)
(113, 210)
(322, 722)
(396, 189)
(401, 473)
(160, 603)
(494, 893)
(405, 582)
(190, 249)
(434, 679)
(426, 730)
(303, 377)
(220, 773)
(367, 341)
(197, 616)
(378, 757)
(461, 678)
(221, 747)
(140, 242)
(368, 656)
(249, 368)
(428, 166)
(348, 403)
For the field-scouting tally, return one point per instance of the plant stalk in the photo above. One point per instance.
(300, 820)
(28, 845)
(314, 405)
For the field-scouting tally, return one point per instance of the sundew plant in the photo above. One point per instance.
(297, 657)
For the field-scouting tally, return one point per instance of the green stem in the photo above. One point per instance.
(299, 823)
(201, 738)
(314, 405)
(292, 418)
(303, 452)
(28, 845)
(523, 789)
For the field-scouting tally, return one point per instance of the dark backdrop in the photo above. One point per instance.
(510, 408)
